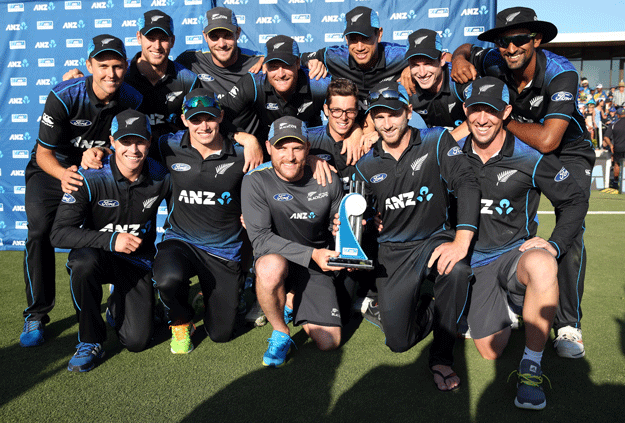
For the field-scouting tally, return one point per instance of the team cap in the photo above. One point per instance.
(488, 90)
(130, 122)
(106, 42)
(288, 127)
(361, 20)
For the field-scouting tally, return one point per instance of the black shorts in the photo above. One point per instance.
(316, 296)
(495, 282)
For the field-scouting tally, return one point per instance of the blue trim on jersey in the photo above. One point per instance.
(62, 102)
(167, 219)
(264, 166)
(87, 183)
(255, 89)
(557, 248)
(48, 145)
(557, 114)
(466, 224)
(466, 299)
(71, 284)
(111, 246)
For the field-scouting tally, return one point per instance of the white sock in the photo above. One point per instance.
(535, 356)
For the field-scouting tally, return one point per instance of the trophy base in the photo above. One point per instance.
(350, 262)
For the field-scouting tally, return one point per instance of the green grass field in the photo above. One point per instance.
(362, 381)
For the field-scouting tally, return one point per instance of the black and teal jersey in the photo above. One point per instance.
(74, 119)
(412, 193)
(108, 204)
(511, 183)
(205, 207)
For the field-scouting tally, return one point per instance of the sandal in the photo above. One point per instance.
(452, 374)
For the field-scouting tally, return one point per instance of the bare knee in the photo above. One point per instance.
(491, 347)
(271, 271)
(326, 338)
(538, 268)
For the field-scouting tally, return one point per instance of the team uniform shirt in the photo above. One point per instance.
(411, 194)
(616, 134)
(215, 78)
(552, 93)
(162, 103)
(74, 119)
(289, 218)
(511, 183)
(108, 204)
(391, 62)
(325, 147)
(205, 207)
(253, 104)
(443, 108)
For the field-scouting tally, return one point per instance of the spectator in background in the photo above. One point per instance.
(611, 117)
(619, 95)
(584, 88)
(589, 117)
(615, 140)
(599, 93)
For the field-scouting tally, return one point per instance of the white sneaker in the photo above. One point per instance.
(569, 343)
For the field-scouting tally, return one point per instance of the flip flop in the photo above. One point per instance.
(453, 374)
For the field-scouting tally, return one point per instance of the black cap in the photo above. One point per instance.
(288, 127)
(130, 122)
(488, 90)
(220, 18)
(200, 100)
(361, 20)
(155, 19)
(282, 48)
(106, 42)
(389, 94)
(519, 17)
(424, 42)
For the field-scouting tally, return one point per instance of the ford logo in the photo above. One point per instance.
(325, 157)
(180, 167)
(455, 151)
(68, 198)
(378, 178)
(283, 197)
(108, 203)
(562, 96)
(206, 77)
(80, 122)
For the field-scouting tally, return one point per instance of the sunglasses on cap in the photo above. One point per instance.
(203, 101)
(388, 94)
(517, 40)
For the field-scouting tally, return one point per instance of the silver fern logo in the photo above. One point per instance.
(504, 176)
(130, 121)
(419, 40)
(149, 203)
(172, 96)
(417, 164)
(303, 107)
(221, 169)
(511, 16)
(451, 106)
(536, 101)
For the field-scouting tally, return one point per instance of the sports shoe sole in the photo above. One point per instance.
(276, 365)
(529, 405)
(93, 363)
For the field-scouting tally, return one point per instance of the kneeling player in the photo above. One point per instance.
(110, 225)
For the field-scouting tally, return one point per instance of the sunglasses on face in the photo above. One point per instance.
(517, 40)
(203, 101)
(388, 94)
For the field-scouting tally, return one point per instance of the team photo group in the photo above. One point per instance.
(304, 175)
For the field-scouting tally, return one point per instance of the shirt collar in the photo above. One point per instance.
(226, 149)
(507, 149)
(94, 99)
(121, 178)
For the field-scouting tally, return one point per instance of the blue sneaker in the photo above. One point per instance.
(288, 315)
(109, 318)
(530, 393)
(32, 335)
(85, 357)
(279, 347)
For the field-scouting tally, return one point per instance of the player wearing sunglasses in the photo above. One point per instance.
(543, 94)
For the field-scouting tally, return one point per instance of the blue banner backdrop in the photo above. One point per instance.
(46, 39)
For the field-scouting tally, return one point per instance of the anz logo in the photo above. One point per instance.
(225, 199)
(503, 208)
(204, 198)
(303, 216)
(407, 199)
(131, 228)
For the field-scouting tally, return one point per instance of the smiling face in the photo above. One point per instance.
(223, 46)
(155, 47)
(288, 158)
(130, 154)
(364, 50)
(342, 125)
(204, 131)
(108, 70)
(427, 72)
(486, 123)
(392, 125)
(282, 77)
(518, 57)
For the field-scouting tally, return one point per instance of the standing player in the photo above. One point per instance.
(365, 59)
(615, 138)
(284, 90)
(77, 117)
(411, 173)
(509, 261)
(288, 219)
(203, 233)
(110, 225)
(437, 98)
(224, 63)
(543, 89)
